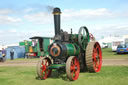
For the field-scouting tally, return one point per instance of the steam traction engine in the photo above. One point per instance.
(70, 52)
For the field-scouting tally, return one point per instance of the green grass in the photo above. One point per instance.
(108, 54)
(109, 75)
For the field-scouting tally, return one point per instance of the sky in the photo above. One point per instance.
(22, 19)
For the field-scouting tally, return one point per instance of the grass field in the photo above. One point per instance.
(109, 75)
(108, 54)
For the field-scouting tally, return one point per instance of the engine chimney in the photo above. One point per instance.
(56, 13)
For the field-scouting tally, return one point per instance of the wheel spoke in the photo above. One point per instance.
(95, 58)
(46, 62)
(84, 36)
(97, 65)
(75, 61)
(41, 67)
(72, 74)
(71, 63)
(82, 40)
(97, 47)
(83, 44)
(84, 32)
(44, 72)
(94, 54)
(72, 67)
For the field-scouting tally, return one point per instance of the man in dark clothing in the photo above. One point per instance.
(12, 54)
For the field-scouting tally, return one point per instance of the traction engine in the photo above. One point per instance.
(70, 52)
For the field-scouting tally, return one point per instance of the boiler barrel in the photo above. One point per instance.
(60, 50)
(72, 49)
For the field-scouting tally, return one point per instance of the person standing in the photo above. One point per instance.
(3, 54)
(12, 54)
(34, 43)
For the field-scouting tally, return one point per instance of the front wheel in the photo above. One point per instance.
(42, 68)
(72, 68)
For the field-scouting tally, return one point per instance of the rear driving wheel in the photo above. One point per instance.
(42, 68)
(72, 68)
(93, 57)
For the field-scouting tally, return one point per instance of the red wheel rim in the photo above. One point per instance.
(45, 72)
(97, 57)
(75, 68)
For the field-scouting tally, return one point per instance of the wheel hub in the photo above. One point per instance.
(75, 67)
(43, 67)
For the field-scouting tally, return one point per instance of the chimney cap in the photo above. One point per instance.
(56, 10)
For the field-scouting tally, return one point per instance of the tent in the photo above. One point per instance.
(19, 52)
(109, 40)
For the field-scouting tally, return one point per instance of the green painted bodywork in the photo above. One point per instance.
(72, 49)
(46, 53)
(77, 49)
(27, 44)
(41, 51)
(21, 43)
(46, 43)
(57, 66)
(74, 37)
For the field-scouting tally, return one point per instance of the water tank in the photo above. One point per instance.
(19, 52)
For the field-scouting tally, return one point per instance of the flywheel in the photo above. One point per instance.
(83, 37)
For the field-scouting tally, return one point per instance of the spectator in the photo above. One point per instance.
(12, 54)
(3, 54)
